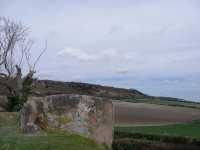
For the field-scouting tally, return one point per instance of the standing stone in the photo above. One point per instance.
(30, 113)
(92, 117)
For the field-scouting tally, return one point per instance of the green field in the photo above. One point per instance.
(191, 130)
(165, 102)
(11, 139)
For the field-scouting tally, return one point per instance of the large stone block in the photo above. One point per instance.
(30, 114)
(92, 117)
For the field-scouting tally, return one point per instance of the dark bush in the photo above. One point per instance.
(130, 144)
(135, 144)
(158, 137)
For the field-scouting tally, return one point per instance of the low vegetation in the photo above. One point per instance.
(10, 138)
(149, 141)
(143, 144)
(186, 129)
(166, 102)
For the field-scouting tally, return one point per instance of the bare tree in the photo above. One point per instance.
(15, 48)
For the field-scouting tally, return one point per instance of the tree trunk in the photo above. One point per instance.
(19, 82)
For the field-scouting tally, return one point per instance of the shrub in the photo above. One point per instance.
(135, 144)
(158, 137)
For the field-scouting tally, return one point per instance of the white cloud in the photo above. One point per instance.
(69, 52)
(78, 78)
(110, 54)
(74, 54)
(87, 58)
(130, 56)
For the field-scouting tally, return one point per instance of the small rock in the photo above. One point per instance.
(31, 128)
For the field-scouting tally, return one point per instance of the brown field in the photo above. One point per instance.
(138, 114)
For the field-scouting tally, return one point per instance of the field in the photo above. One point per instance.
(142, 114)
(152, 126)
(165, 102)
(10, 138)
(191, 130)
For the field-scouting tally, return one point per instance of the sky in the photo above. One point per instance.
(149, 45)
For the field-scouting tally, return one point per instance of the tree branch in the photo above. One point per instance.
(40, 54)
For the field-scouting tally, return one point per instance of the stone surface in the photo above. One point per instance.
(92, 117)
(30, 113)
(30, 129)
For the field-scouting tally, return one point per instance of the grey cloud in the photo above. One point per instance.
(130, 82)
(142, 79)
(80, 34)
(124, 70)
(44, 74)
(194, 80)
(116, 30)
(53, 33)
(78, 78)
(167, 82)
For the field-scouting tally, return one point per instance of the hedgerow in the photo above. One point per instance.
(158, 137)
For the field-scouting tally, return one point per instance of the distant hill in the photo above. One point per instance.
(50, 87)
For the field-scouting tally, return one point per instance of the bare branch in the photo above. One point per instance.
(3, 74)
(40, 54)
(26, 49)
(20, 61)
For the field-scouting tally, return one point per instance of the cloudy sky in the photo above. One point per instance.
(149, 45)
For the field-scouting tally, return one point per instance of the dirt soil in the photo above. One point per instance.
(136, 114)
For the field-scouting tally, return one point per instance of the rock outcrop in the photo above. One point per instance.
(92, 117)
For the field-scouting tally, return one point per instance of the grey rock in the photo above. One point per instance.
(31, 129)
(89, 116)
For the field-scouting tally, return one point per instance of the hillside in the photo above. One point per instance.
(49, 87)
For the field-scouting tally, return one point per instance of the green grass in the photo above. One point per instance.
(11, 139)
(191, 130)
(165, 102)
